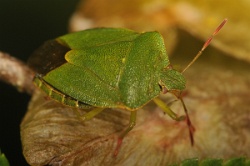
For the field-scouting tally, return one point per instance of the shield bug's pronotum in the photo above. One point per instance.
(110, 68)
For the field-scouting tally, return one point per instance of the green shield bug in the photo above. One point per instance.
(110, 68)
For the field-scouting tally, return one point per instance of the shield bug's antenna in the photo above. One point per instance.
(205, 44)
(190, 126)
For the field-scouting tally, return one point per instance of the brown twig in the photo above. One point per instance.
(16, 73)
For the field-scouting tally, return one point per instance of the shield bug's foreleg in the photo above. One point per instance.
(90, 114)
(174, 116)
(131, 125)
(167, 110)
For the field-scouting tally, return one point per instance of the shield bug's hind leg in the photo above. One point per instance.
(90, 114)
(131, 125)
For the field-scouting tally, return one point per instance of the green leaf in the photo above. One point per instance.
(236, 162)
(211, 162)
(240, 161)
(3, 160)
(190, 162)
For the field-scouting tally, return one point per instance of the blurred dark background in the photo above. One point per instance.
(24, 26)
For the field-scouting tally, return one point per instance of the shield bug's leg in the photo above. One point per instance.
(90, 114)
(167, 110)
(131, 125)
(189, 123)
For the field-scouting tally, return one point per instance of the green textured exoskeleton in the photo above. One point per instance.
(108, 68)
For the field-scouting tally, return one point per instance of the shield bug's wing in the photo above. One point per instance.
(91, 75)
(105, 62)
(48, 57)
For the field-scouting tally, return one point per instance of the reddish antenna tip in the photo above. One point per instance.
(220, 26)
(206, 44)
(215, 33)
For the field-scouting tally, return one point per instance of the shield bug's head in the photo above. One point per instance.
(172, 80)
